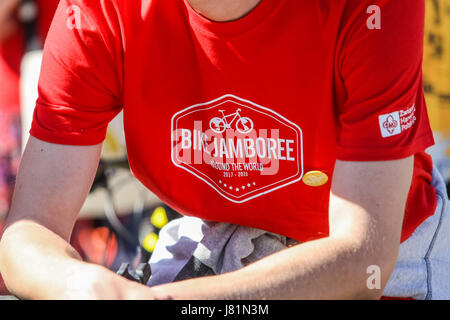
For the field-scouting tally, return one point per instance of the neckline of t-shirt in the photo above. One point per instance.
(227, 29)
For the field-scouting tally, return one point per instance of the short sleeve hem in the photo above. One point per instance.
(76, 138)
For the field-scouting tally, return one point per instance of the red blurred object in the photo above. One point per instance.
(95, 244)
(11, 52)
(3, 290)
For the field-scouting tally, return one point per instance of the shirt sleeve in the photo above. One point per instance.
(381, 107)
(80, 83)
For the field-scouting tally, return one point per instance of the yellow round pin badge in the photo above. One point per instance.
(315, 178)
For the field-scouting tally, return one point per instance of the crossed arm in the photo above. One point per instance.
(7, 20)
(367, 203)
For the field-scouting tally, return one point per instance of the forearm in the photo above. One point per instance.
(36, 259)
(321, 269)
(38, 264)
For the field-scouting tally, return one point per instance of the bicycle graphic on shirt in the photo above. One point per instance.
(219, 125)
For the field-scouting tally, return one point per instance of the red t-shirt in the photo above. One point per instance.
(226, 120)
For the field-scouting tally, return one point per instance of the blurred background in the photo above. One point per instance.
(121, 219)
(437, 80)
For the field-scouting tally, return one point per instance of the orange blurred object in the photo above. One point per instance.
(98, 245)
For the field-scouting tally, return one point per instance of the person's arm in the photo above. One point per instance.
(366, 214)
(36, 260)
(80, 92)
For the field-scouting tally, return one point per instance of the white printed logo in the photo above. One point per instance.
(390, 124)
(397, 122)
(219, 125)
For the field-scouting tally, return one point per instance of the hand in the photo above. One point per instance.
(135, 291)
(8, 22)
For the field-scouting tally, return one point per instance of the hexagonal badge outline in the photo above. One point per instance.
(205, 178)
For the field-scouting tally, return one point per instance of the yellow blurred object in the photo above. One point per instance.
(149, 242)
(159, 217)
(111, 144)
(436, 65)
(113, 148)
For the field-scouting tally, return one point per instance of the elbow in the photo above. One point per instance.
(5, 260)
(3, 252)
(378, 274)
(376, 261)
(10, 258)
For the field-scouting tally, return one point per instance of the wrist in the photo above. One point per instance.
(135, 291)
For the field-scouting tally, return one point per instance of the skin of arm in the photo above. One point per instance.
(366, 213)
(36, 260)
